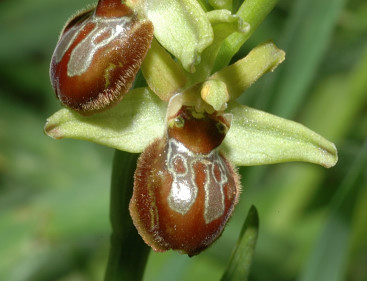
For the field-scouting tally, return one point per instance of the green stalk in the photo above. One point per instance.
(253, 12)
(128, 252)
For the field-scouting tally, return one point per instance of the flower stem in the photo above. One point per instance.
(253, 12)
(128, 253)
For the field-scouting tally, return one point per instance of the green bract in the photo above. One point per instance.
(190, 45)
(182, 28)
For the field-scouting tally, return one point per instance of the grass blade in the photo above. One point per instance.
(307, 36)
(240, 263)
(329, 259)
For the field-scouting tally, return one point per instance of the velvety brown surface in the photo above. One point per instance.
(113, 67)
(207, 188)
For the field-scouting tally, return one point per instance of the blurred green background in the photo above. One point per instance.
(54, 195)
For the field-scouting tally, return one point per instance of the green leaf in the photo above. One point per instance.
(242, 74)
(257, 137)
(305, 45)
(329, 258)
(240, 263)
(182, 28)
(130, 126)
(344, 96)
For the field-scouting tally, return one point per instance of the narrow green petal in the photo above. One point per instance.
(257, 138)
(242, 74)
(182, 28)
(215, 93)
(130, 126)
(163, 75)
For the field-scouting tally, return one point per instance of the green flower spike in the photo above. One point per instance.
(187, 59)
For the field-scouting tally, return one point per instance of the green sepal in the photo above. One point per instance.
(257, 138)
(129, 126)
(243, 73)
(182, 28)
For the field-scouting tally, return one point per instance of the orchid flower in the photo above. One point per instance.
(183, 51)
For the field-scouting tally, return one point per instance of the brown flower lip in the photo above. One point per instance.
(98, 56)
(185, 190)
